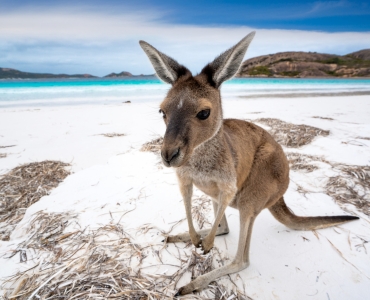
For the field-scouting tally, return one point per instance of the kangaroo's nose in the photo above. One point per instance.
(170, 154)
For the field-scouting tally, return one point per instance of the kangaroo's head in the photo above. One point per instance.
(192, 109)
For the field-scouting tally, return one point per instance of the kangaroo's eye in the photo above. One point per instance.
(203, 114)
(163, 114)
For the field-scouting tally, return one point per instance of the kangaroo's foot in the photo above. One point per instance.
(207, 244)
(185, 237)
(202, 281)
(208, 241)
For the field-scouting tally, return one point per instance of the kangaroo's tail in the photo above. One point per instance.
(284, 215)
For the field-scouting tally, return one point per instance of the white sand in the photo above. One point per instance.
(108, 171)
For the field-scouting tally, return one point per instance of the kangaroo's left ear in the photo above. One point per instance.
(167, 69)
(227, 64)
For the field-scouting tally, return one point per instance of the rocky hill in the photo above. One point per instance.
(7, 73)
(308, 64)
(362, 54)
(117, 75)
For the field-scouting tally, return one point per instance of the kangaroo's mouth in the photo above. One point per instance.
(173, 158)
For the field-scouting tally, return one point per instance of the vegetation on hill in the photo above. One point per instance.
(308, 64)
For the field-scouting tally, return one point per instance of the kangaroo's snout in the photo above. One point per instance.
(170, 155)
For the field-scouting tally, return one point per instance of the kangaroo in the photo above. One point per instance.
(235, 162)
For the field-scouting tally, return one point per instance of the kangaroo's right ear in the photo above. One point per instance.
(167, 69)
(226, 65)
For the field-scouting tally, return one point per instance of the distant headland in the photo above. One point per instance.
(308, 64)
(279, 65)
(8, 73)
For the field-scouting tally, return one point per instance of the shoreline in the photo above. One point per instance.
(308, 77)
(308, 94)
(151, 77)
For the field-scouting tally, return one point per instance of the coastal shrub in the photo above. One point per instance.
(290, 73)
(260, 70)
(331, 73)
(334, 60)
(282, 60)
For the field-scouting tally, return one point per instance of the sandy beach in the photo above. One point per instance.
(113, 182)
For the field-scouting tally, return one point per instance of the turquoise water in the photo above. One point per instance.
(76, 82)
(14, 84)
(106, 91)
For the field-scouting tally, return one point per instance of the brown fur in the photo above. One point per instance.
(237, 163)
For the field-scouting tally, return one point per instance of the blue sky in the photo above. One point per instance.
(99, 37)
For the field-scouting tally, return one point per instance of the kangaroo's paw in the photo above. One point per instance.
(207, 244)
(196, 285)
(185, 238)
(187, 289)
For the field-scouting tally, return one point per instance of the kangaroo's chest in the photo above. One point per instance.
(208, 175)
(203, 176)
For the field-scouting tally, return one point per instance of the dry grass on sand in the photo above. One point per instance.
(103, 263)
(291, 135)
(3, 155)
(351, 184)
(323, 118)
(9, 146)
(23, 186)
(153, 146)
(201, 207)
(363, 138)
(303, 162)
(110, 135)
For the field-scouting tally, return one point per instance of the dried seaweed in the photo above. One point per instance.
(110, 135)
(153, 146)
(302, 190)
(351, 186)
(292, 135)
(23, 186)
(363, 138)
(101, 264)
(201, 206)
(323, 118)
(7, 146)
(303, 162)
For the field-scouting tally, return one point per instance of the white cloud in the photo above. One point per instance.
(99, 42)
(324, 7)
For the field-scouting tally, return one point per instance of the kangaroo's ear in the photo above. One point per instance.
(167, 69)
(227, 64)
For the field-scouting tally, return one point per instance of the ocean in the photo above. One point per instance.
(55, 92)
